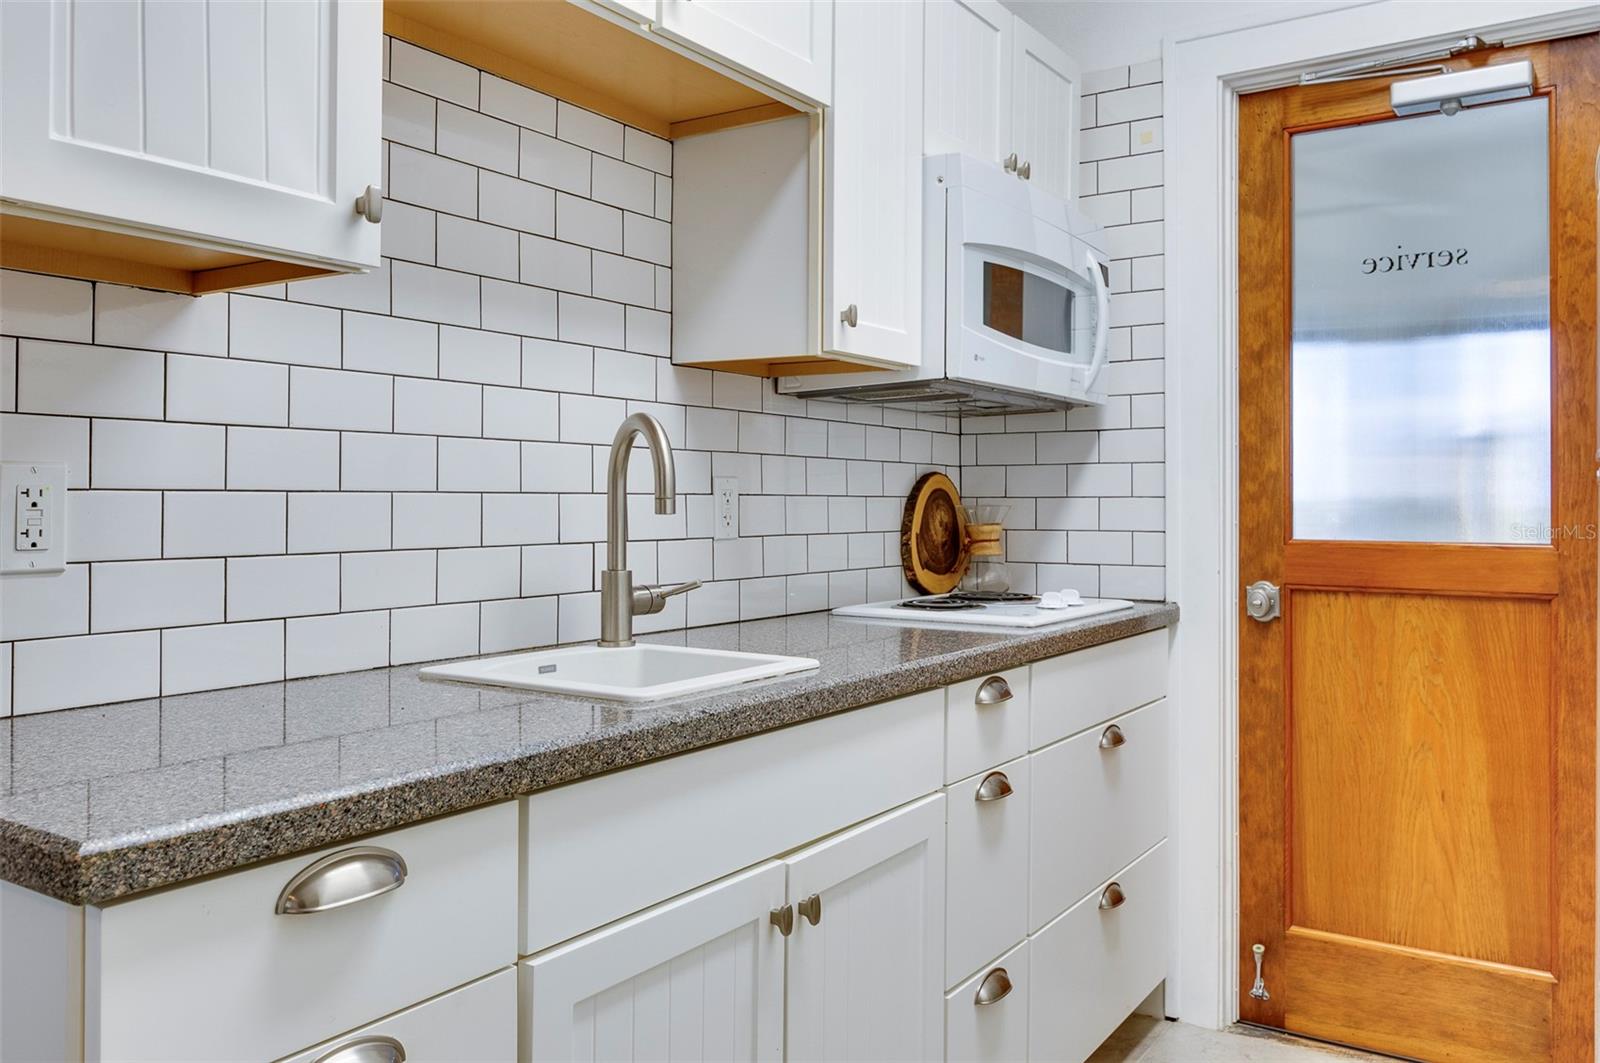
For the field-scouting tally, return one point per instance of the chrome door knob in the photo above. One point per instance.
(1261, 601)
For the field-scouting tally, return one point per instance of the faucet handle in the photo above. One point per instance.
(647, 600)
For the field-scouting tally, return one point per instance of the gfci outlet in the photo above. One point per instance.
(725, 515)
(33, 512)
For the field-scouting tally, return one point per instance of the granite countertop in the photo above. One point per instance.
(105, 802)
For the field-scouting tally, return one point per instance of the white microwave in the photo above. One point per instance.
(1016, 302)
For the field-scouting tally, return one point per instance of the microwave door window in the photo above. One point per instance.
(1027, 307)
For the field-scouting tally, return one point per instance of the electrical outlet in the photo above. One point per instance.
(725, 516)
(33, 507)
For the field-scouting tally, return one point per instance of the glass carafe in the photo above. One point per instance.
(986, 567)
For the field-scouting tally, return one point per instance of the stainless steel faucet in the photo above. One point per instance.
(620, 600)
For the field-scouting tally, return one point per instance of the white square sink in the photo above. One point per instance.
(622, 673)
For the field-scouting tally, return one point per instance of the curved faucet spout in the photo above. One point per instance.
(616, 582)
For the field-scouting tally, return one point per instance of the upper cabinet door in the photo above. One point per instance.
(788, 43)
(641, 11)
(250, 125)
(968, 78)
(872, 192)
(865, 978)
(1045, 111)
(699, 977)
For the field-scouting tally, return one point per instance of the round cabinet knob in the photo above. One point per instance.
(1010, 163)
(850, 315)
(369, 204)
(1025, 171)
(994, 988)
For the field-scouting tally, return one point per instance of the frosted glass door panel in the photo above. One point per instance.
(1420, 368)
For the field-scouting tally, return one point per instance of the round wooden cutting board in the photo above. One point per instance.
(933, 535)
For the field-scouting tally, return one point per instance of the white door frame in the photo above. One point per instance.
(1205, 72)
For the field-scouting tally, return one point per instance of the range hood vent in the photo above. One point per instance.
(944, 396)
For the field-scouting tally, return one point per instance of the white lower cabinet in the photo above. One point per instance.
(866, 954)
(1098, 960)
(476, 1022)
(699, 977)
(987, 881)
(986, 1017)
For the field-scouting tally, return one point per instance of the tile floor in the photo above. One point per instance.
(1148, 1040)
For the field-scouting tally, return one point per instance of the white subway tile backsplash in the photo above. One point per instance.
(291, 585)
(367, 291)
(152, 594)
(51, 308)
(647, 150)
(223, 655)
(88, 670)
(515, 203)
(578, 126)
(113, 525)
(68, 378)
(369, 462)
(136, 317)
(321, 645)
(408, 117)
(408, 232)
(554, 163)
(509, 519)
(435, 294)
(586, 222)
(434, 519)
(328, 521)
(332, 398)
(622, 280)
(278, 459)
(591, 419)
(390, 579)
(555, 264)
(226, 391)
(148, 454)
(518, 413)
(476, 247)
(438, 407)
(223, 523)
(519, 308)
(517, 104)
(647, 238)
(274, 330)
(433, 633)
(479, 465)
(622, 185)
(478, 139)
(377, 343)
(433, 74)
(557, 569)
(515, 624)
(556, 468)
(1124, 105)
(481, 574)
(482, 357)
(37, 606)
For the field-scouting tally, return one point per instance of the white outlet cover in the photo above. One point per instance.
(52, 477)
(725, 507)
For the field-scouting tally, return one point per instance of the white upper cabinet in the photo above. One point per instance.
(786, 43)
(1044, 110)
(872, 193)
(968, 78)
(248, 128)
(867, 951)
(998, 90)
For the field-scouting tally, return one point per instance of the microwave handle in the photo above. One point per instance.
(1102, 320)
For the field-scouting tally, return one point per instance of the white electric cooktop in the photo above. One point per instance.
(954, 609)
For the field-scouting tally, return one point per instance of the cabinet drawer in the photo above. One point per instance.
(476, 1022)
(986, 885)
(1095, 965)
(995, 1032)
(606, 847)
(1096, 805)
(984, 726)
(211, 971)
(1078, 690)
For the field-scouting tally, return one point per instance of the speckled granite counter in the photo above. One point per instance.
(105, 802)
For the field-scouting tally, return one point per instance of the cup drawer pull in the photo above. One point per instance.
(1112, 897)
(342, 878)
(994, 988)
(366, 1050)
(994, 787)
(993, 691)
(1112, 737)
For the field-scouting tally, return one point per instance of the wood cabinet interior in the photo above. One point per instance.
(39, 246)
(574, 54)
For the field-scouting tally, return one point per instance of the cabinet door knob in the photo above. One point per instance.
(1112, 737)
(993, 691)
(850, 315)
(994, 787)
(366, 1050)
(783, 919)
(994, 988)
(341, 878)
(369, 204)
(1010, 163)
(1025, 171)
(811, 908)
(1112, 897)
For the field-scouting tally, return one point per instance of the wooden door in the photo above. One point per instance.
(1044, 105)
(789, 45)
(699, 977)
(872, 193)
(865, 979)
(244, 125)
(967, 78)
(1417, 728)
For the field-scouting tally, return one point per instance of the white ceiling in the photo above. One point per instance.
(1107, 33)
